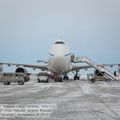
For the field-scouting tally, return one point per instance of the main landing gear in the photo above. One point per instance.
(65, 77)
(76, 77)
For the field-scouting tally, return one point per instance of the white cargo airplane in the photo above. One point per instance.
(59, 63)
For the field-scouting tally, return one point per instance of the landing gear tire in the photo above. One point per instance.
(58, 80)
(66, 78)
(76, 78)
(7, 83)
(93, 80)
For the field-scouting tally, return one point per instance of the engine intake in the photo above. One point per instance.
(21, 70)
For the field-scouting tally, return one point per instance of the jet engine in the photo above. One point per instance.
(21, 70)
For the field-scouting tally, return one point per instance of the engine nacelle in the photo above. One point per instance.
(21, 70)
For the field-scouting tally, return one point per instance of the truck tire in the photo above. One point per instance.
(25, 79)
(38, 80)
(6, 83)
(92, 80)
(46, 81)
(60, 80)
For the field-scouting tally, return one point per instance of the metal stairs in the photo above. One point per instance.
(108, 74)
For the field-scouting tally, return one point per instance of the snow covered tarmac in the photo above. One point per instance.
(75, 100)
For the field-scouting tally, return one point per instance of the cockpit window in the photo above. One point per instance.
(59, 42)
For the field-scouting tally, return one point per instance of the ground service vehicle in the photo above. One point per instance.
(8, 78)
(42, 77)
(98, 76)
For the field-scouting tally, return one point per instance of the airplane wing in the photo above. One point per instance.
(43, 67)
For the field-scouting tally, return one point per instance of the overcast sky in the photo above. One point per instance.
(90, 27)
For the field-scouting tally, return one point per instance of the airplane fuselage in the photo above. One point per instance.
(60, 58)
